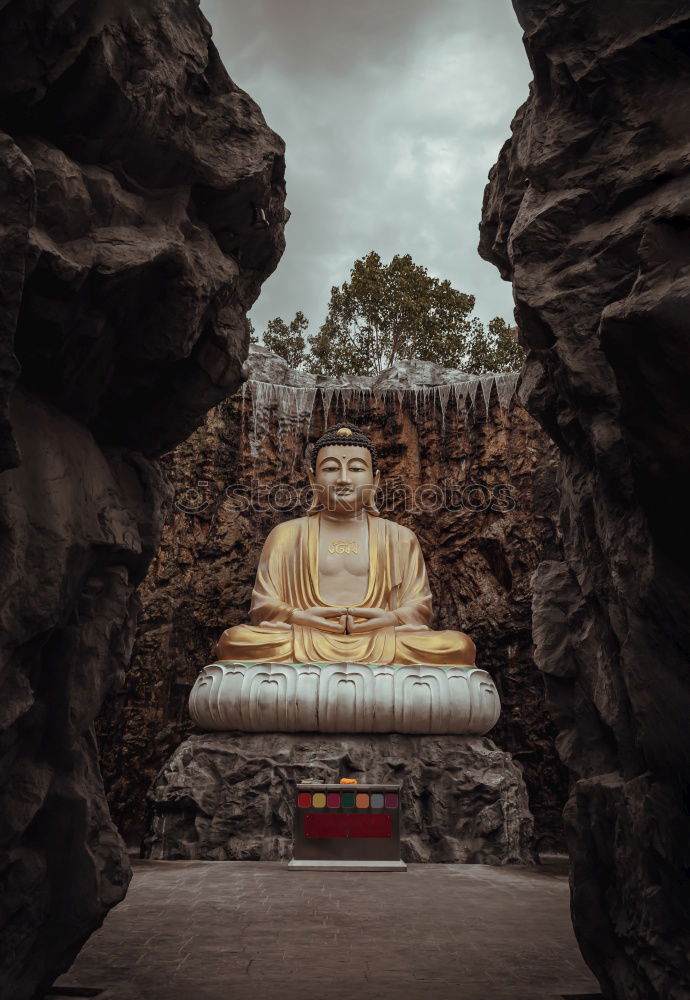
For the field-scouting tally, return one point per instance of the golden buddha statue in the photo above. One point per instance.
(343, 584)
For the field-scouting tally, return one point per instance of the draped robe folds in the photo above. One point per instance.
(288, 579)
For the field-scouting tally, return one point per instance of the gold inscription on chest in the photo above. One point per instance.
(343, 548)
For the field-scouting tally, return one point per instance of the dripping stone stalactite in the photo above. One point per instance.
(293, 396)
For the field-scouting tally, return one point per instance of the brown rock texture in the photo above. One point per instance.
(587, 212)
(479, 560)
(229, 796)
(129, 167)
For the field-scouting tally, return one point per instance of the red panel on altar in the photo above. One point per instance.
(347, 825)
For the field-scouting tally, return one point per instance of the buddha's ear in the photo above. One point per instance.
(314, 505)
(377, 479)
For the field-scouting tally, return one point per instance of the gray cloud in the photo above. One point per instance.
(392, 111)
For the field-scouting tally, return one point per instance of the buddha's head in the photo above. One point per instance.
(342, 467)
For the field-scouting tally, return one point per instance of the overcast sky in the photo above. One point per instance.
(392, 112)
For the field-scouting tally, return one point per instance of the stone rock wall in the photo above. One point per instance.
(587, 212)
(479, 560)
(129, 164)
(230, 796)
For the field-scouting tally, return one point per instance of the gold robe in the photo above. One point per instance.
(288, 578)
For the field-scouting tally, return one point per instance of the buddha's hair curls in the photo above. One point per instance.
(346, 435)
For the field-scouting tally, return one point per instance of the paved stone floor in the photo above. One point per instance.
(193, 930)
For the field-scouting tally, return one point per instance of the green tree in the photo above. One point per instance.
(391, 311)
(287, 339)
(494, 350)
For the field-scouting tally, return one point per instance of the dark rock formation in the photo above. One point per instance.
(588, 212)
(228, 796)
(129, 167)
(479, 560)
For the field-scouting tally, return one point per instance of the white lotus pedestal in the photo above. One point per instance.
(344, 698)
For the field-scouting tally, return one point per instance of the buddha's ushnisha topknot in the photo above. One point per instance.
(342, 434)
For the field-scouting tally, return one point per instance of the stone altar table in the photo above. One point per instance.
(347, 828)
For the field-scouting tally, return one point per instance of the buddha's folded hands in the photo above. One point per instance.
(320, 618)
(351, 621)
(370, 620)
(281, 626)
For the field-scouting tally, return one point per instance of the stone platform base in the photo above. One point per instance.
(227, 796)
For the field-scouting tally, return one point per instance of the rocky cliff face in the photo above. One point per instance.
(130, 168)
(478, 490)
(587, 211)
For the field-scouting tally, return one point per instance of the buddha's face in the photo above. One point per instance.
(343, 478)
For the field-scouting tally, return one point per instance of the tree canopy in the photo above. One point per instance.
(287, 339)
(494, 350)
(390, 311)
